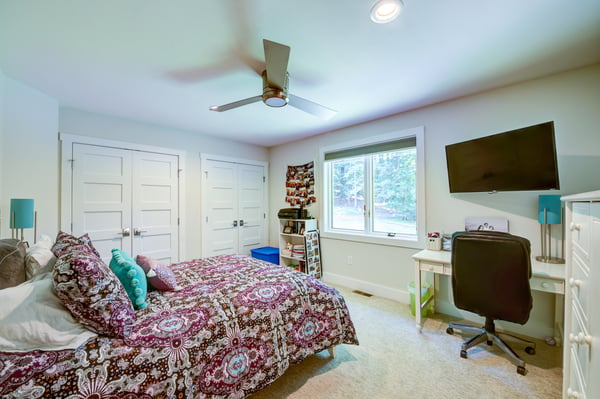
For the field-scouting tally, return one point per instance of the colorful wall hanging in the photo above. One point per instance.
(300, 184)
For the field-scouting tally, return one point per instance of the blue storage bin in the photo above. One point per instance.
(269, 254)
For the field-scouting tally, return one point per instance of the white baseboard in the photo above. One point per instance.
(374, 289)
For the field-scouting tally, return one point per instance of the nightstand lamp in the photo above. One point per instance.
(549, 213)
(22, 216)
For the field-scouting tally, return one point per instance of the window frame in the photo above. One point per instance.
(327, 231)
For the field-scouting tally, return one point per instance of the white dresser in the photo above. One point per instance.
(581, 357)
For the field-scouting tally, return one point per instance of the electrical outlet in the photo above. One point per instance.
(349, 260)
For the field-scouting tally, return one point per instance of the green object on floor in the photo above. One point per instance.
(425, 294)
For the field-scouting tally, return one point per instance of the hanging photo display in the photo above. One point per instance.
(300, 184)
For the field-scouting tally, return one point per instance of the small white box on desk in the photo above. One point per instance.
(434, 243)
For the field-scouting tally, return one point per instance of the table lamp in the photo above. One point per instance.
(549, 213)
(22, 216)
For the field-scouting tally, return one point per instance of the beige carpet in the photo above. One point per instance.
(394, 361)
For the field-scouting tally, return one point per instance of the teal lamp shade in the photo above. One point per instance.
(21, 213)
(552, 205)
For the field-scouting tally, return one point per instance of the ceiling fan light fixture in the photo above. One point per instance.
(276, 101)
(385, 11)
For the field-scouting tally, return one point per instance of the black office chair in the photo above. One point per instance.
(490, 277)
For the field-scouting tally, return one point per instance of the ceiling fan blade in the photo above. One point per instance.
(276, 57)
(235, 104)
(310, 107)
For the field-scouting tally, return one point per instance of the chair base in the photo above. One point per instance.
(488, 333)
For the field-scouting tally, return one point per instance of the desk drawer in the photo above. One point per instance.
(435, 268)
(547, 285)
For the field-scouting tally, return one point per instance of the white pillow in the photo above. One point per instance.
(33, 318)
(39, 256)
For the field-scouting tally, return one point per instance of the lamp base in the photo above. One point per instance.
(549, 259)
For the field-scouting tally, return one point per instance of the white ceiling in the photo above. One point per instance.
(166, 62)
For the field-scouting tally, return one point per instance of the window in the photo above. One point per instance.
(374, 190)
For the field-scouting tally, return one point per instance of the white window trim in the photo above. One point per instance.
(419, 133)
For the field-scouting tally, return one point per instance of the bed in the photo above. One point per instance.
(229, 327)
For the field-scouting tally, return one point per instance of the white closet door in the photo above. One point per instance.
(251, 210)
(221, 219)
(101, 201)
(234, 213)
(128, 200)
(155, 206)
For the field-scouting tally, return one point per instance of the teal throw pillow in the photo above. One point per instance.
(132, 277)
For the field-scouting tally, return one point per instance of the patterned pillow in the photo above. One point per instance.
(159, 276)
(93, 295)
(131, 276)
(66, 243)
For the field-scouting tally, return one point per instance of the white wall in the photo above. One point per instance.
(569, 99)
(29, 154)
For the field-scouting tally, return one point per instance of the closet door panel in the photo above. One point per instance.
(251, 207)
(101, 201)
(221, 217)
(155, 206)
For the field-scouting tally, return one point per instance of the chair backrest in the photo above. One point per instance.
(490, 275)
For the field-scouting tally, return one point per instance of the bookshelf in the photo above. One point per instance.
(299, 245)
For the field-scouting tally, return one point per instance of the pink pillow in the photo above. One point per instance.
(66, 243)
(159, 276)
(93, 294)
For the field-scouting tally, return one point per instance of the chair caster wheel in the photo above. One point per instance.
(521, 370)
(463, 354)
(530, 350)
(450, 330)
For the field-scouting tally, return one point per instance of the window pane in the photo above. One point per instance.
(395, 192)
(347, 176)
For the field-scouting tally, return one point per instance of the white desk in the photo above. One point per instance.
(546, 277)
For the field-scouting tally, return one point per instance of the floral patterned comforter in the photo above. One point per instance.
(235, 326)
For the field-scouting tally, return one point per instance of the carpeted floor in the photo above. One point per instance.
(394, 361)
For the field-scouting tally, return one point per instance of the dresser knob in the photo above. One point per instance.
(571, 394)
(574, 283)
(580, 338)
(575, 227)
(545, 285)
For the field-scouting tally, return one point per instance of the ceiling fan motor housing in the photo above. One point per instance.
(274, 96)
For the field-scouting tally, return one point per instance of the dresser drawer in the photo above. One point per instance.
(579, 284)
(575, 388)
(580, 229)
(547, 284)
(435, 268)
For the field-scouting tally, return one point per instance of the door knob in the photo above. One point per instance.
(241, 222)
(138, 232)
(235, 223)
(125, 232)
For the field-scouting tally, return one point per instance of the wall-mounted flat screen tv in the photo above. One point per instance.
(517, 160)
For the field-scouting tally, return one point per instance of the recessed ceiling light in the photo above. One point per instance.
(385, 11)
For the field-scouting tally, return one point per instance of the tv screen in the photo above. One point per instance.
(517, 160)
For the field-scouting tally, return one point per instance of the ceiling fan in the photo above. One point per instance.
(275, 85)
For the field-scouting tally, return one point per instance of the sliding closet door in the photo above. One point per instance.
(126, 199)
(233, 208)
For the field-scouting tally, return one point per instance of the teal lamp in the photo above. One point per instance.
(22, 216)
(549, 213)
